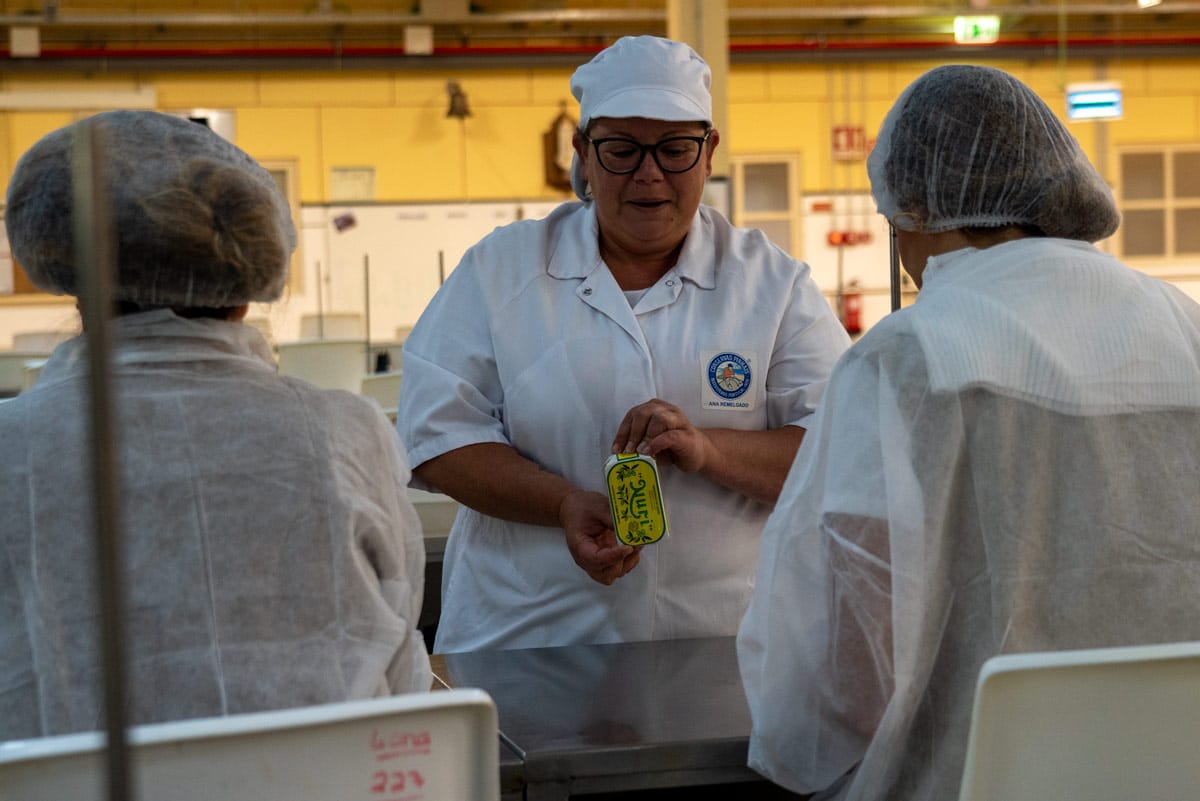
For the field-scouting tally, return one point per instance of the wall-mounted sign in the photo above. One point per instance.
(1094, 101)
(849, 143)
(976, 30)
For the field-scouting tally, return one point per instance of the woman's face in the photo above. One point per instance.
(645, 213)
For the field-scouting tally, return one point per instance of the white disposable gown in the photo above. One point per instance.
(272, 558)
(532, 343)
(1008, 465)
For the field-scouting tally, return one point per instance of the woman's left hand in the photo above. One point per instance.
(660, 429)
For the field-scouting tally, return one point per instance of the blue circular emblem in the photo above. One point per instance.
(729, 375)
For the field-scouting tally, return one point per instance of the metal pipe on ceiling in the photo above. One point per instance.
(345, 40)
(345, 56)
(575, 17)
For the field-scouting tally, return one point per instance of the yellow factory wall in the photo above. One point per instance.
(395, 121)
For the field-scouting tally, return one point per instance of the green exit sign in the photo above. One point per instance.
(976, 30)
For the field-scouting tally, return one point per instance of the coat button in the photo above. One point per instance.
(587, 291)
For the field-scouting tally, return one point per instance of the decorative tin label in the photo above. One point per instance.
(636, 502)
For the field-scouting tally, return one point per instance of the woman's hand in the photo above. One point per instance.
(660, 429)
(752, 463)
(587, 523)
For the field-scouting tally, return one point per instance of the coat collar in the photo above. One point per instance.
(576, 250)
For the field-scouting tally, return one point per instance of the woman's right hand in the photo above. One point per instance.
(587, 523)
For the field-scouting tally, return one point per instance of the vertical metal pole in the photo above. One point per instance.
(894, 255)
(367, 308)
(841, 284)
(95, 254)
(320, 305)
(441, 267)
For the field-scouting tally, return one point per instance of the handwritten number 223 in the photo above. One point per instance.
(395, 781)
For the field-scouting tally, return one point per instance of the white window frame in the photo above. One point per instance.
(791, 214)
(1168, 204)
(290, 169)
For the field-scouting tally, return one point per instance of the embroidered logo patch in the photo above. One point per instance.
(728, 379)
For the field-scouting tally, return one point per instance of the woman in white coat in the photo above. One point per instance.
(271, 556)
(1010, 464)
(600, 329)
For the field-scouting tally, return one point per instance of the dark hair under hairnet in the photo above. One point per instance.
(198, 222)
(967, 146)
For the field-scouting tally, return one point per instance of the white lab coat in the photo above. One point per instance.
(531, 342)
(1009, 465)
(272, 558)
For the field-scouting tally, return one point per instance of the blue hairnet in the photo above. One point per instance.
(967, 146)
(197, 221)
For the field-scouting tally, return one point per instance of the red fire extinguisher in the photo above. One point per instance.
(852, 308)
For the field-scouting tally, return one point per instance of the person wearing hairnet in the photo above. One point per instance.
(1007, 465)
(601, 328)
(271, 556)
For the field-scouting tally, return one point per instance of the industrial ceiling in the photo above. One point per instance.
(318, 34)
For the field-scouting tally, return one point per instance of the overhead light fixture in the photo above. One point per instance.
(1094, 101)
(1148, 3)
(976, 30)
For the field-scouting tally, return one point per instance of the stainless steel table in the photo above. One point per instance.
(512, 767)
(608, 718)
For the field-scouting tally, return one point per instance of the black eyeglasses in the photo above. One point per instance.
(623, 156)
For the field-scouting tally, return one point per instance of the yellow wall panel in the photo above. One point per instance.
(880, 81)
(552, 87)
(1175, 78)
(29, 126)
(8, 154)
(876, 111)
(288, 134)
(796, 81)
(905, 72)
(421, 90)
(746, 84)
(498, 88)
(788, 124)
(1050, 82)
(503, 154)
(847, 93)
(396, 123)
(416, 153)
(327, 89)
(1156, 119)
(1088, 134)
(1134, 76)
(801, 128)
(207, 91)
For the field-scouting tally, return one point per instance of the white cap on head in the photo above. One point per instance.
(641, 76)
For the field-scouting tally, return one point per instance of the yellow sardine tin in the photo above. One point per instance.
(637, 507)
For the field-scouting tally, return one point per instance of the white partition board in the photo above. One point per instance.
(437, 746)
